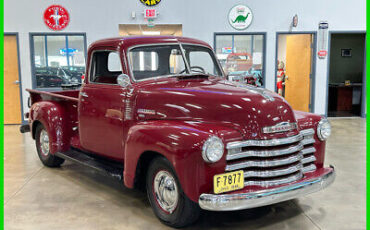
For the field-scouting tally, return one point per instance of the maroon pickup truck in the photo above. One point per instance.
(158, 114)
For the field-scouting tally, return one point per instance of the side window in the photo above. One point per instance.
(105, 67)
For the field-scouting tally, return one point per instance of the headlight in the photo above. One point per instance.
(323, 129)
(213, 149)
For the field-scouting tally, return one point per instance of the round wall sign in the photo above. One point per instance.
(240, 17)
(56, 17)
(150, 2)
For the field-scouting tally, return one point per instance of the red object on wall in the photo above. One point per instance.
(322, 53)
(56, 17)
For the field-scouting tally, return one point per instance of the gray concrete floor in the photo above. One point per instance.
(73, 197)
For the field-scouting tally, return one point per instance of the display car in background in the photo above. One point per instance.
(157, 113)
(47, 77)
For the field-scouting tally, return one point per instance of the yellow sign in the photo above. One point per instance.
(228, 182)
(150, 2)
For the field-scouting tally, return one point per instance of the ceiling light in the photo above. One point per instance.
(151, 32)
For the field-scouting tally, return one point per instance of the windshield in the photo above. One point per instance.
(168, 60)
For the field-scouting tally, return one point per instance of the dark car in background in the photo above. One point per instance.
(58, 76)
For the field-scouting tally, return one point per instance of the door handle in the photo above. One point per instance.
(17, 82)
(84, 94)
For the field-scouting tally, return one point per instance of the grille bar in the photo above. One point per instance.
(308, 141)
(308, 150)
(267, 183)
(262, 143)
(273, 173)
(309, 168)
(265, 153)
(308, 159)
(264, 163)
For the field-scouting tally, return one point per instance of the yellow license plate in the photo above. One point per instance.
(228, 182)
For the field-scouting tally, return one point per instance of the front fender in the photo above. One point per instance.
(52, 116)
(307, 120)
(181, 143)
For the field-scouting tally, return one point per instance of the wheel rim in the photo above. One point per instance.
(44, 142)
(165, 191)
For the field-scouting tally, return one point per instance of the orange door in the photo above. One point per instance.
(298, 70)
(12, 100)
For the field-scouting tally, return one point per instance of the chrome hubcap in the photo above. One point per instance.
(44, 142)
(165, 191)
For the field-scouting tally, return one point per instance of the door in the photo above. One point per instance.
(298, 71)
(102, 106)
(101, 118)
(12, 99)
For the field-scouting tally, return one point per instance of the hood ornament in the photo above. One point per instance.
(280, 127)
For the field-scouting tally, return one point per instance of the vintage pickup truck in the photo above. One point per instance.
(158, 114)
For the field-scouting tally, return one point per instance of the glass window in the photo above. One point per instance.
(201, 60)
(114, 63)
(241, 56)
(168, 60)
(58, 60)
(145, 61)
(105, 67)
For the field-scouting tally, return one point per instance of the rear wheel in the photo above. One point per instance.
(168, 201)
(43, 148)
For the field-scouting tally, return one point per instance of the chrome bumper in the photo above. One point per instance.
(230, 202)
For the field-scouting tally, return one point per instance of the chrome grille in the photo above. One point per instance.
(273, 162)
(308, 151)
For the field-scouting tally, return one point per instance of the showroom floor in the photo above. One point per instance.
(72, 197)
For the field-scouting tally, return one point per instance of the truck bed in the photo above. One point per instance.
(68, 95)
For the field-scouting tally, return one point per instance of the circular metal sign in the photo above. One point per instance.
(150, 2)
(56, 17)
(240, 17)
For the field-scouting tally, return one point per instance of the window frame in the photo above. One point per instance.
(264, 34)
(32, 54)
(91, 65)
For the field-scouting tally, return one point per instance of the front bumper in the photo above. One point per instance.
(238, 201)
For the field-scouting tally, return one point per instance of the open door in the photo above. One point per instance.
(298, 71)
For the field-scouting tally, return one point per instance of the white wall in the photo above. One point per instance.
(200, 19)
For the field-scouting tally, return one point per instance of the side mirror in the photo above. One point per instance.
(123, 80)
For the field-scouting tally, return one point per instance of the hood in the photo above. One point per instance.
(245, 108)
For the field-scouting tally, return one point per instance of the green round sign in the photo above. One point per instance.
(150, 2)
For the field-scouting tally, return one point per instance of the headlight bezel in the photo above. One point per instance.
(206, 147)
(320, 127)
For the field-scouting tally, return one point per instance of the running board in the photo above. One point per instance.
(106, 167)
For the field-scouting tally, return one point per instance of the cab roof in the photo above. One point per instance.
(128, 41)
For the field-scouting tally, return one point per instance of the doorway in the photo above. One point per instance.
(12, 81)
(294, 75)
(145, 29)
(346, 74)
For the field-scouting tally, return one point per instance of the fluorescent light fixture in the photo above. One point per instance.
(151, 32)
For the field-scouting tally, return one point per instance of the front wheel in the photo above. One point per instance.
(43, 148)
(168, 201)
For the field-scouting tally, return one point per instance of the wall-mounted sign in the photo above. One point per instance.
(240, 17)
(71, 51)
(226, 50)
(150, 13)
(56, 17)
(150, 2)
(322, 53)
(323, 39)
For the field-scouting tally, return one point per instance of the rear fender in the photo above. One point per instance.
(52, 116)
(181, 143)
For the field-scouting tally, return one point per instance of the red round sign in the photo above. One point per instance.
(56, 17)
